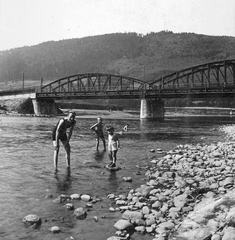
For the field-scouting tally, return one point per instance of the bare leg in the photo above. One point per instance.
(104, 143)
(114, 156)
(67, 151)
(56, 153)
(97, 143)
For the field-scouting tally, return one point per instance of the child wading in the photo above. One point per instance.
(98, 128)
(113, 146)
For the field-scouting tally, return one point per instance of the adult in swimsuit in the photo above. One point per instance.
(59, 133)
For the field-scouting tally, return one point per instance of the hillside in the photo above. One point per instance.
(121, 53)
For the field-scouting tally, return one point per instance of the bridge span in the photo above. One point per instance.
(210, 80)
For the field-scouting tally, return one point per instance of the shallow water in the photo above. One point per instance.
(26, 170)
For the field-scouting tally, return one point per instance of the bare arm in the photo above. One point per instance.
(94, 126)
(57, 134)
(118, 143)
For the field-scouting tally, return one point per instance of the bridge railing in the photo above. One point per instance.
(194, 86)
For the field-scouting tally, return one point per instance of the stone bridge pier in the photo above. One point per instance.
(44, 106)
(152, 109)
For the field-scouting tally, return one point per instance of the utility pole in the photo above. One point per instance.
(41, 82)
(23, 80)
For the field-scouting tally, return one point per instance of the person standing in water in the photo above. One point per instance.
(113, 146)
(98, 128)
(59, 133)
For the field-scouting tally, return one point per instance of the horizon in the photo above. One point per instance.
(26, 23)
(113, 33)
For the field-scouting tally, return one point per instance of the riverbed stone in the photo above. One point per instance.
(86, 197)
(144, 190)
(80, 213)
(55, 229)
(32, 220)
(229, 233)
(123, 224)
(69, 206)
(75, 196)
(132, 215)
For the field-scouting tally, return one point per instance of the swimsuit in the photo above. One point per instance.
(62, 132)
(112, 142)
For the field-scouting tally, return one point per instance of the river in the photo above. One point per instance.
(26, 170)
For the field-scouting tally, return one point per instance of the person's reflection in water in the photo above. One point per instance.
(99, 156)
(64, 183)
(113, 181)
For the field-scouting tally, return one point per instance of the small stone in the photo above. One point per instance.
(69, 206)
(86, 197)
(127, 179)
(55, 229)
(75, 196)
(80, 213)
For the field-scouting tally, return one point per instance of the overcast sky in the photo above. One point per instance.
(30, 22)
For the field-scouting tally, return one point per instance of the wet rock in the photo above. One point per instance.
(49, 196)
(80, 213)
(32, 220)
(55, 229)
(69, 206)
(111, 196)
(86, 197)
(127, 179)
(75, 196)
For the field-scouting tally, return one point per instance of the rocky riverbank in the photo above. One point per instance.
(189, 195)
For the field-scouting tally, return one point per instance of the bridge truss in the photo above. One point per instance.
(217, 78)
(93, 85)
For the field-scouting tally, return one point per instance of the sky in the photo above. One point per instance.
(31, 22)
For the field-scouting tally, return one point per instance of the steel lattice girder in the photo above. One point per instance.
(214, 73)
(94, 82)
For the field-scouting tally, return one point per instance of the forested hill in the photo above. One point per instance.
(121, 53)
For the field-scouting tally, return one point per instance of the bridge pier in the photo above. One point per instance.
(152, 109)
(44, 106)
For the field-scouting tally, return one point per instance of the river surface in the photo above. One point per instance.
(27, 174)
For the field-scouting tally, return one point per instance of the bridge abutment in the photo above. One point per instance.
(44, 107)
(152, 109)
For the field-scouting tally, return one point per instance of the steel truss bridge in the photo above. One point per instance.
(214, 79)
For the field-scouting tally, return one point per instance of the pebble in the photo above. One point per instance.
(55, 229)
